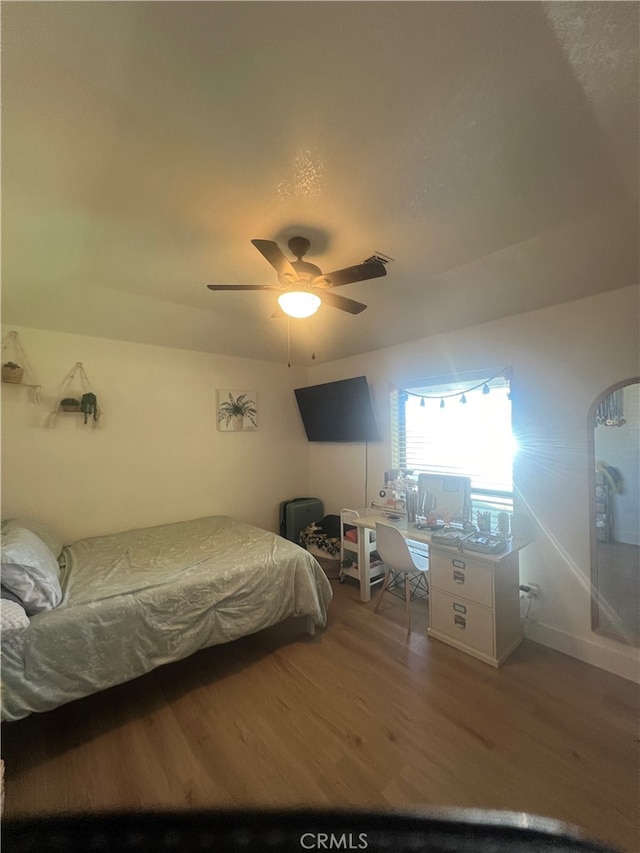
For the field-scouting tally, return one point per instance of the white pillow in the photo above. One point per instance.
(30, 571)
(13, 618)
(50, 538)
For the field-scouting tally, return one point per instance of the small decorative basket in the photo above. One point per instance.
(12, 373)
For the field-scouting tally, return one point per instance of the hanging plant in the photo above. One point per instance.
(12, 372)
(89, 406)
(70, 404)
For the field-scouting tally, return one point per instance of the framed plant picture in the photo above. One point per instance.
(237, 410)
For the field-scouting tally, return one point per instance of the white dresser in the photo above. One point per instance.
(474, 602)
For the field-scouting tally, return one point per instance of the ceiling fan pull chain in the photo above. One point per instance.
(313, 340)
(288, 342)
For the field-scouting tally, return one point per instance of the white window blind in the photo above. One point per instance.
(472, 439)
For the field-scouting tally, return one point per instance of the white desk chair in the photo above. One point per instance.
(399, 560)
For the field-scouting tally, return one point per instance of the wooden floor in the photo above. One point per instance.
(355, 716)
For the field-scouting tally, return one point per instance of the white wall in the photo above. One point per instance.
(157, 455)
(563, 358)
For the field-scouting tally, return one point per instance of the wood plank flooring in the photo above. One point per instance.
(357, 716)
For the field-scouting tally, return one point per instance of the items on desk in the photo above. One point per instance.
(400, 487)
(394, 475)
(411, 500)
(393, 499)
(504, 523)
(426, 503)
(485, 543)
(422, 524)
(393, 509)
(448, 536)
(484, 521)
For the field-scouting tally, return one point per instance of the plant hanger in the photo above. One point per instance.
(12, 349)
(87, 400)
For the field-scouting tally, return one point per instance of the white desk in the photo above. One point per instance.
(474, 600)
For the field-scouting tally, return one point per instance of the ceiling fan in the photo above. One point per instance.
(302, 286)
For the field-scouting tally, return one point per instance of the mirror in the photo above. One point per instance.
(614, 477)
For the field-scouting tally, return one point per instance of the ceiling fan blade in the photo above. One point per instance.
(273, 254)
(341, 302)
(243, 287)
(359, 272)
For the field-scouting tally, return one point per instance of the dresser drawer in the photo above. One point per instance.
(462, 621)
(462, 576)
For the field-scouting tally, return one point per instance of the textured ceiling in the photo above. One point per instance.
(491, 149)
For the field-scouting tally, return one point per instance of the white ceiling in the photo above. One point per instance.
(491, 149)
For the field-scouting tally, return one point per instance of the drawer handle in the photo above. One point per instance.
(460, 622)
(458, 576)
(459, 564)
(459, 608)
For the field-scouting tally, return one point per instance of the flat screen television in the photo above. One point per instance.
(338, 411)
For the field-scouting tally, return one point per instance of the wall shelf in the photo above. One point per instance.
(13, 352)
(20, 384)
(75, 386)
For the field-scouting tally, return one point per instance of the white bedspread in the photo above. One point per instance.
(136, 600)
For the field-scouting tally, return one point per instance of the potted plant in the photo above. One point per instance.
(89, 406)
(70, 404)
(235, 411)
(12, 372)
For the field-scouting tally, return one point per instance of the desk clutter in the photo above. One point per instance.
(441, 504)
(485, 543)
(429, 498)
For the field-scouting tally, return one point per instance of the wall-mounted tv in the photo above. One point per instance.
(338, 411)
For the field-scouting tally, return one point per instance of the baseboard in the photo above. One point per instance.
(624, 661)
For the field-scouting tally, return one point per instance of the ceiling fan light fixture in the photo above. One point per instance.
(299, 303)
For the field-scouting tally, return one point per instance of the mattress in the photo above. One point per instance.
(134, 601)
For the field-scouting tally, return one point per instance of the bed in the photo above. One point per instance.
(133, 601)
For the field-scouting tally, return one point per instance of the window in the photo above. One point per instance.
(449, 429)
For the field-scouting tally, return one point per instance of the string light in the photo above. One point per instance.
(506, 373)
